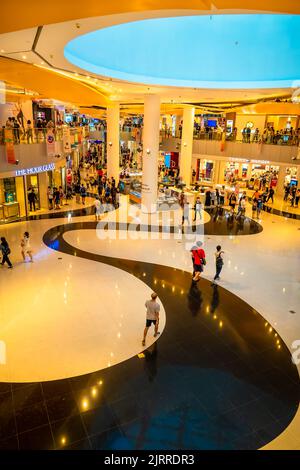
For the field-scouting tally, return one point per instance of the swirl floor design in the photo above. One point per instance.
(214, 380)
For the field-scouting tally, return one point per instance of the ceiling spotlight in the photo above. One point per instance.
(42, 63)
(110, 144)
(77, 25)
(24, 57)
(148, 151)
(2, 50)
(185, 144)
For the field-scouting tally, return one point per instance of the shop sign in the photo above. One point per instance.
(35, 169)
(50, 143)
(66, 139)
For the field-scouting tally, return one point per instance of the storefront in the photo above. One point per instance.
(9, 206)
(205, 170)
(16, 186)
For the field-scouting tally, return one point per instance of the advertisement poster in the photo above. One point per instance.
(50, 143)
(9, 146)
(66, 139)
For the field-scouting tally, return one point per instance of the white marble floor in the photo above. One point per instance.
(49, 309)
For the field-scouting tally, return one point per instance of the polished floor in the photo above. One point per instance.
(219, 377)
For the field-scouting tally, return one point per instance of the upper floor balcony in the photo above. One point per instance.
(282, 151)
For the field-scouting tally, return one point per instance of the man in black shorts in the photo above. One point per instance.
(152, 316)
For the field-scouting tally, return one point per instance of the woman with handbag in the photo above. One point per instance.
(219, 262)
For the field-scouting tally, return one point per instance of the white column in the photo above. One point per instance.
(113, 141)
(187, 145)
(150, 153)
(280, 181)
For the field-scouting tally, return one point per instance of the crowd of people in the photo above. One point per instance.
(26, 250)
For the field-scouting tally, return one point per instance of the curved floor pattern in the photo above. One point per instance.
(214, 380)
(273, 210)
(218, 378)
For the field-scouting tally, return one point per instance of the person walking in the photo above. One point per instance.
(259, 203)
(83, 194)
(232, 201)
(152, 316)
(219, 263)
(241, 207)
(31, 199)
(271, 195)
(97, 205)
(297, 197)
(4, 247)
(198, 258)
(26, 249)
(56, 197)
(186, 214)
(77, 192)
(198, 209)
(50, 197)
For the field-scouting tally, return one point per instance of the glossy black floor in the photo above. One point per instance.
(288, 215)
(214, 380)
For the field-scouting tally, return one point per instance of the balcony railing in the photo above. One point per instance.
(277, 139)
(34, 135)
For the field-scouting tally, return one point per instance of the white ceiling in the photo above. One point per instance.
(53, 38)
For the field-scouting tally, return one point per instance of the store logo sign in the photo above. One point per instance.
(35, 169)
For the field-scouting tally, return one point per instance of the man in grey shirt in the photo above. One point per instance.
(152, 316)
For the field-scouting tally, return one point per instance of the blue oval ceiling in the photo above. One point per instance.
(219, 51)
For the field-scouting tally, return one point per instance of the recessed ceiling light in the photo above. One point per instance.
(88, 77)
(24, 57)
(2, 50)
(42, 63)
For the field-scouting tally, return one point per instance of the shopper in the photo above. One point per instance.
(254, 206)
(77, 192)
(242, 206)
(207, 198)
(50, 197)
(222, 196)
(83, 193)
(186, 213)
(26, 249)
(297, 197)
(198, 209)
(32, 199)
(29, 132)
(219, 262)
(152, 316)
(271, 195)
(232, 201)
(198, 259)
(259, 202)
(4, 247)
(61, 196)
(97, 205)
(56, 197)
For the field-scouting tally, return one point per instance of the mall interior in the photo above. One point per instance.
(149, 224)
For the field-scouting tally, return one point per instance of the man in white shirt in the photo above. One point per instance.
(152, 316)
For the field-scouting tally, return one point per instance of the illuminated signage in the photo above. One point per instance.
(35, 169)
